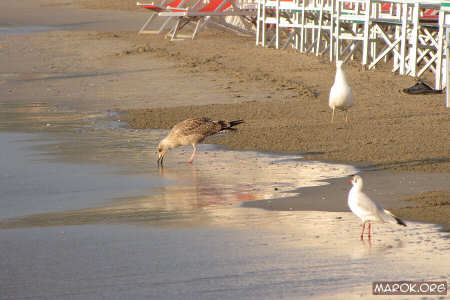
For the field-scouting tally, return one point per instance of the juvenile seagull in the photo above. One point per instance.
(341, 97)
(192, 132)
(366, 209)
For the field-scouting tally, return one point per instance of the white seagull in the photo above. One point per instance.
(341, 97)
(368, 210)
(192, 132)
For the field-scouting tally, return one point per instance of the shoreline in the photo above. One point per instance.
(411, 203)
(400, 192)
(283, 100)
(88, 214)
(290, 127)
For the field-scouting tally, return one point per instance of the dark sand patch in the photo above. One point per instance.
(401, 140)
(392, 189)
(432, 207)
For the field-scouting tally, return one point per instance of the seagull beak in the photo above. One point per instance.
(350, 181)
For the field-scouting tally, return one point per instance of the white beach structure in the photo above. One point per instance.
(409, 34)
(444, 17)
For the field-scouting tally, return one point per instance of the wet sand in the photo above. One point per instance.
(189, 238)
(241, 257)
(102, 220)
(283, 100)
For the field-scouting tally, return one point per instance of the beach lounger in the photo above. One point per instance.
(157, 8)
(201, 16)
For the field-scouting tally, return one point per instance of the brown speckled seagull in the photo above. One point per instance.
(192, 132)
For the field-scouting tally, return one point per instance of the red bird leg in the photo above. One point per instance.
(362, 232)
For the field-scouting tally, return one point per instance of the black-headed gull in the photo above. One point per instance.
(341, 97)
(192, 132)
(368, 210)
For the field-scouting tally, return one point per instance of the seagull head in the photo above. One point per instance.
(357, 182)
(339, 64)
(163, 147)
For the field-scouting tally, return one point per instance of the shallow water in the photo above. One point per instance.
(23, 17)
(7, 30)
(99, 142)
(86, 215)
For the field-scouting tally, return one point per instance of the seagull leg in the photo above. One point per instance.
(193, 154)
(362, 232)
(332, 115)
(346, 116)
(369, 230)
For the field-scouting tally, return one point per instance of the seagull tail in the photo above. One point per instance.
(399, 221)
(395, 218)
(229, 125)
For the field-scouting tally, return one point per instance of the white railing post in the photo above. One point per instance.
(447, 46)
(444, 14)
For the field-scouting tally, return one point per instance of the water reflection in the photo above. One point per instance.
(192, 201)
(261, 175)
(88, 138)
(207, 195)
(201, 205)
(201, 189)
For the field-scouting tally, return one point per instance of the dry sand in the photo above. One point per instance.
(282, 96)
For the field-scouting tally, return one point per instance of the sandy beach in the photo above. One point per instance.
(282, 95)
(283, 98)
(86, 97)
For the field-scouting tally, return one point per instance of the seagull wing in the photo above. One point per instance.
(201, 127)
(368, 207)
